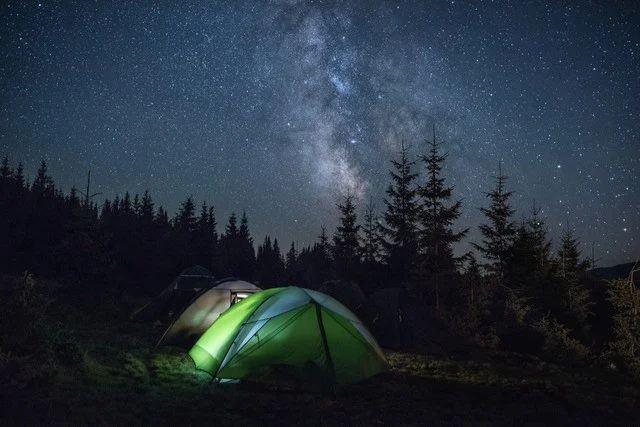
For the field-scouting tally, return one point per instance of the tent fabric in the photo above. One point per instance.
(203, 310)
(184, 287)
(304, 334)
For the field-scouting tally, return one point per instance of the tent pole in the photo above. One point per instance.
(326, 347)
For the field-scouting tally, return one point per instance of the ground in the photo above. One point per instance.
(122, 380)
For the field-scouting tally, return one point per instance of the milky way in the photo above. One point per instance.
(282, 107)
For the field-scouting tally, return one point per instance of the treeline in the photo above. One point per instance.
(524, 294)
(127, 240)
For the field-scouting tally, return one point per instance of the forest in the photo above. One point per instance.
(519, 292)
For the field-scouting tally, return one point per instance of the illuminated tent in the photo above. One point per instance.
(163, 308)
(203, 310)
(302, 334)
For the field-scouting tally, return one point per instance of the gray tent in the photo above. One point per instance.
(207, 306)
(183, 289)
(347, 292)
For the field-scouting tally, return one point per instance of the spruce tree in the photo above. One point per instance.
(290, 264)
(244, 228)
(500, 233)
(185, 221)
(321, 259)
(522, 263)
(435, 218)
(146, 213)
(371, 242)
(161, 220)
(5, 170)
(43, 183)
(399, 230)
(19, 177)
(540, 243)
(206, 236)
(231, 230)
(541, 268)
(573, 295)
(346, 247)
(323, 241)
(266, 264)
(290, 259)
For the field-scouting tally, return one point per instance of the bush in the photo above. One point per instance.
(624, 349)
(558, 344)
(30, 344)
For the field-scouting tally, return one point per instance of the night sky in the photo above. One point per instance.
(281, 107)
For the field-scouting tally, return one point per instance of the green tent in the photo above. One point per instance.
(303, 334)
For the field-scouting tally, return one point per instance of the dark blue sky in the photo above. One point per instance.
(280, 107)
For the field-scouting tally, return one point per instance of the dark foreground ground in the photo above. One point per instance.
(123, 381)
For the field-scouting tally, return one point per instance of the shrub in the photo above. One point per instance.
(558, 344)
(624, 349)
(30, 344)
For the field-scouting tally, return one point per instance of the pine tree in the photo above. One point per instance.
(146, 211)
(323, 240)
(231, 229)
(266, 264)
(500, 233)
(290, 259)
(136, 205)
(186, 221)
(19, 176)
(540, 243)
(126, 209)
(574, 297)
(536, 262)
(436, 218)
(115, 208)
(213, 224)
(106, 213)
(6, 176)
(399, 229)
(5, 170)
(244, 228)
(290, 264)
(371, 242)
(235, 251)
(276, 252)
(162, 219)
(346, 245)
(43, 184)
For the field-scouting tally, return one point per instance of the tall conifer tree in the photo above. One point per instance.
(436, 217)
(500, 233)
(346, 247)
(399, 230)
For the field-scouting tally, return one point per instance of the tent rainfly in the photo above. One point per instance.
(305, 334)
(203, 310)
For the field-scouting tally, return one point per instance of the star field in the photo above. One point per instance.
(281, 107)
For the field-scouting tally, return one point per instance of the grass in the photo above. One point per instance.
(123, 381)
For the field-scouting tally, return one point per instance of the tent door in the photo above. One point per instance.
(238, 296)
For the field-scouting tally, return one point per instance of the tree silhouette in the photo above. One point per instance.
(346, 247)
(573, 296)
(499, 235)
(436, 218)
(399, 229)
